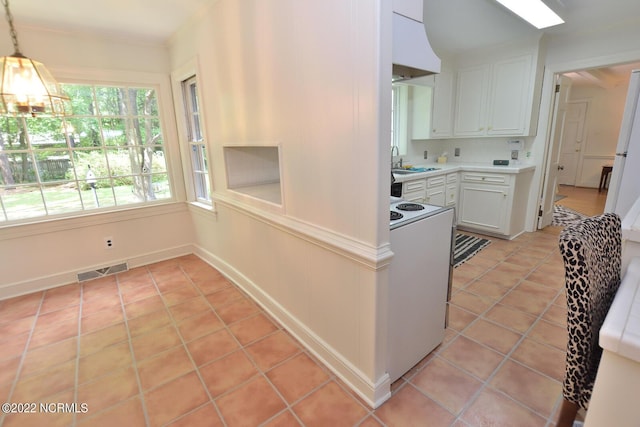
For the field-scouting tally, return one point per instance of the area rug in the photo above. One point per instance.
(563, 216)
(466, 247)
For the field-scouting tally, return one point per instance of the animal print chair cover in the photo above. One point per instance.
(591, 250)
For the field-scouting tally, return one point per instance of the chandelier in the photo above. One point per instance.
(26, 86)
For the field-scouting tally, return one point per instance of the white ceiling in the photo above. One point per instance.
(451, 24)
(455, 25)
(147, 20)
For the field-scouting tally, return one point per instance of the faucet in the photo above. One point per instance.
(397, 150)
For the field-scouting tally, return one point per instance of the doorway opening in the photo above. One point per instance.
(586, 115)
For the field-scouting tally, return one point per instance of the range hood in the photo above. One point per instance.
(411, 51)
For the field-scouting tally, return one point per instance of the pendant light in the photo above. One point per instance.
(26, 86)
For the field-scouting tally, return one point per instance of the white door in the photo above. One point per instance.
(563, 87)
(572, 143)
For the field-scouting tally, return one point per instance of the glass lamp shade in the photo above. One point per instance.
(27, 87)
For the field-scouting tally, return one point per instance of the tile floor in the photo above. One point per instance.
(175, 343)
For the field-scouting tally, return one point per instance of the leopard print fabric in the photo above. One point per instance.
(591, 251)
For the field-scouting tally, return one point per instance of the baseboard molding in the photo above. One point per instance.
(71, 276)
(374, 394)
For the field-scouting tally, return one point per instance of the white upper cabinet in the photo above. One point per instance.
(409, 8)
(442, 115)
(495, 99)
(510, 98)
(470, 111)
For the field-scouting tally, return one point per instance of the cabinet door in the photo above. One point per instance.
(451, 194)
(484, 207)
(436, 196)
(471, 95)
(442, 115)
(509, 100)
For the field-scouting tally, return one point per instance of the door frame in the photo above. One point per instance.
(542, 144)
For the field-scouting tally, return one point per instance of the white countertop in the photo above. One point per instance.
(620, 332)
(455, 167)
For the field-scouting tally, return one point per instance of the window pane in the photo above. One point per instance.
(54, 166)
(100, 195)
(82, 100)
(110, 101)
(145, 102)
(22, 202)
(60, 199)
(114, 131)
(12, 134)
(108, 153)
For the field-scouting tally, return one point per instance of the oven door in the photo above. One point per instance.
(396, 189)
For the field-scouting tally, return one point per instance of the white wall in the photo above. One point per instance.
(315, 79)
(604, 115)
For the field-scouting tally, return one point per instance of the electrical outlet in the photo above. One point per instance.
(425, 154)
(456, 152)
(514, 154)
(108, 242)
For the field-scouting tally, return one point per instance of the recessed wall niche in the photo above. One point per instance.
(254, 171)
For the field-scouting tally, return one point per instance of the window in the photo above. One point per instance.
(399, 117)
(108, 154)
(197, 148)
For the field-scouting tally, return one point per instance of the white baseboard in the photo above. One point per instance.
(71, 276)
(374, 394)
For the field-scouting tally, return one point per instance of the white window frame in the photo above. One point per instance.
(180, 75)
(117, 78)
(197, 144)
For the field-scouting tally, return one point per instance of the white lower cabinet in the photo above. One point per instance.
(414, 190)
(493, 203)
(435, 190)
(451, 190)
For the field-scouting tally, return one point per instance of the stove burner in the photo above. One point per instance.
(409, 207)
(395, 215)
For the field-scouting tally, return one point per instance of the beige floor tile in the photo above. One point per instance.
(237, 310)
(470, 302)
(52, 381)
(297, 377)
(199, 325)
(47, 357)
(493, 408)
(164, 367)
(180, 295)
(252, 328)
(143, 306)
(530, 388)
(446, 384)
(272, 350)
(493, 336)
(58, 298)
(540, 357)
(204, 416)
(128, 413)
(143, 290)
(472, 357)
(224, 296)
(345, 411)
(13, 346)
(42, 418)
(287, 419)
(460, 318)
(149, 322)
(108, 390)
(104, 361)
(174, 399)
(13, 309)
(510, 318)
(251, 404)
(96, 341)
(226, 373)
(211, 347)
(409, 407)
(101, 319)
(189, 308)
(550, 333)
(154, 342)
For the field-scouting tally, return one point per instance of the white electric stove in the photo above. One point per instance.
(419, 281)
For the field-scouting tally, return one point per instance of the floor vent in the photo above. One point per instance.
(100, 272)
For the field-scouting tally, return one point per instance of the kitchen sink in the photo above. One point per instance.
(413, 170)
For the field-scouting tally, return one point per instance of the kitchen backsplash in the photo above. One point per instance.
(483, 150)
